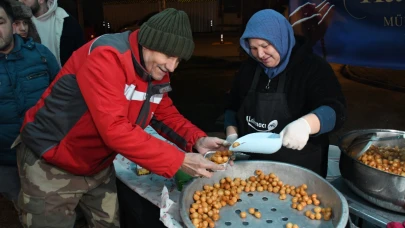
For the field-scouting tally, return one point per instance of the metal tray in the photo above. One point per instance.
(275, 212)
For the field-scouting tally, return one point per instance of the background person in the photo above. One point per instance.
(26, 70)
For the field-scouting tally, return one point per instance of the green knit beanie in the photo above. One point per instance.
(168, 32)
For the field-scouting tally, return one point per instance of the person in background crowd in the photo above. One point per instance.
(284, 88)
(27, 69)
(99, 104)
(59, 31)
(23, 25)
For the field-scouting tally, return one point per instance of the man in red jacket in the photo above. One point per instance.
(98, 106)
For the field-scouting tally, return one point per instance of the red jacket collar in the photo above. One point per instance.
(133, 42)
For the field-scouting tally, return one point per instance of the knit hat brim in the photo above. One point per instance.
(168, 32)
(167, 43)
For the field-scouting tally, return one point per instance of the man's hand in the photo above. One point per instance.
(296, 134)
(206, 144)
(196, 165)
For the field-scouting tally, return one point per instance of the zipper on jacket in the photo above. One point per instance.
(144, 112)
(12, 82)
(36, 75)
(268, 85)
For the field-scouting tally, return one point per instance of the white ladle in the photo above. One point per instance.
(259, 142)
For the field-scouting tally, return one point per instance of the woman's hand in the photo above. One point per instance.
(296, 134)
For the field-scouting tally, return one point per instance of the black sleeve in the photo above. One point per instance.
(325, 89)
(72, 38)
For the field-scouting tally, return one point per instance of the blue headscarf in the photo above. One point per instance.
(275, 28)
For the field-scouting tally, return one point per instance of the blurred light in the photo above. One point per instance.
(92, 36)
(211, 23)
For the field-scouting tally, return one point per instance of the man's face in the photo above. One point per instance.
(6, 33)
(33, 4)
(158, 64)
(20, 27)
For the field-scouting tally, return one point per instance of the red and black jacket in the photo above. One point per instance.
(99, 105)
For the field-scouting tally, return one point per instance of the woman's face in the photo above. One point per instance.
(264, 52)
(20, 27)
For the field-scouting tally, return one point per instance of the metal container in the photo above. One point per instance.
(381, 188)
(209, 155)
(275, 212)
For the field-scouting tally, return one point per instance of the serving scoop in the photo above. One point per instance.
(258, 142)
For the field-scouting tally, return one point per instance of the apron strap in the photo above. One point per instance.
(256, 78)
(281, 82)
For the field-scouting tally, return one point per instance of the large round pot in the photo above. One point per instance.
(275, 213)
(381, 188)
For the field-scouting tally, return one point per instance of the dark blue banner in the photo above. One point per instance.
(367, 33)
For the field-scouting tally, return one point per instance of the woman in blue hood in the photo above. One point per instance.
(284, 88)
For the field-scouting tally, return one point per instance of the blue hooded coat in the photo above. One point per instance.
(25, 73)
